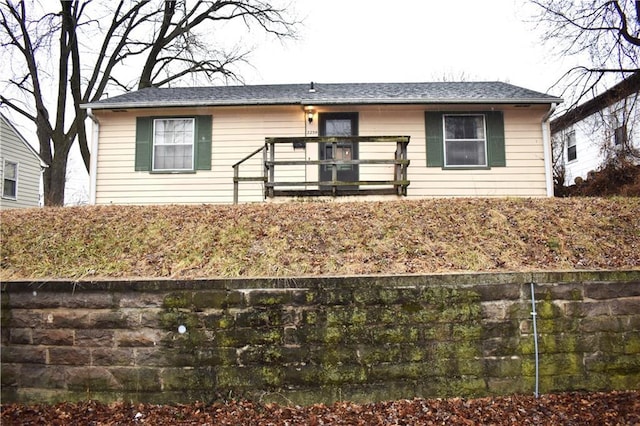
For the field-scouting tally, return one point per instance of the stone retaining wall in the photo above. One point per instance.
(323, 339)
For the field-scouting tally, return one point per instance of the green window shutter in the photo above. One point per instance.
(144, 143)
(433, 123)
(203, 142)
(495, 139)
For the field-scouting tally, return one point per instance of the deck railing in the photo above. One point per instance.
(395, 183)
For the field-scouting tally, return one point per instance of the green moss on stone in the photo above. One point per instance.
(464, 331)
(412, 307)
(632, 343)
(179, 300)
(333, 335)
(216, 299)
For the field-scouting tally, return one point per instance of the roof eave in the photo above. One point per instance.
(310, 101)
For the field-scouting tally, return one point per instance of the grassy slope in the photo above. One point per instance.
(321, 238)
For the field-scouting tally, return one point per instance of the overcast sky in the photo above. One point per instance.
(409, 41)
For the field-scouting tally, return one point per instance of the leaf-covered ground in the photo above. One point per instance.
(615, 408)
(299, 239)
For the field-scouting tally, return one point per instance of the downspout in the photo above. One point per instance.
(93, 164)
(534, 315)
(546, 146)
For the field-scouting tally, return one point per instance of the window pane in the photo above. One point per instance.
(338, 127)
(464, 127)
(172, 157)
(173, 144)
(572, 152)
(465, 153)
(9, 188)
(10, 170)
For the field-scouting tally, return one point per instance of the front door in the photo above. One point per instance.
(339, 124)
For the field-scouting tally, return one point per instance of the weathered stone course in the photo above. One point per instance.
(309, 340)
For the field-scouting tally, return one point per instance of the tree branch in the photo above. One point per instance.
(16, 108)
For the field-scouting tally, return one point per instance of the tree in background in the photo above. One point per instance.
(605, 35)
(60, 57)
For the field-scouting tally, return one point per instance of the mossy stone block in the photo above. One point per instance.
(366, 296)
(137, 379)
(214, 299)
(498, 346)
(393, 372)
(268, 297)
(438, 332)
(506, 366)
(187, 379)
(260, 355)
(624, 381)
(389, 335)
(215, 357)
(341, 374)
(510, 385)
(464, 331)
(632, 343)
(177, 300)
(374, 355)
(220, 320)
(256, 318)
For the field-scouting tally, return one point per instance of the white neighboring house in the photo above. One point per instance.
(20, 168)
(587, 136)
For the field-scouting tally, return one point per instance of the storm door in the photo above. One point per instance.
(339, 124)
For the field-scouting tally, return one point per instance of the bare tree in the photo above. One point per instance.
(604, 35)
(63, 57)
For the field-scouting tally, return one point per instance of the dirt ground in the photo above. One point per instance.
(576, 408)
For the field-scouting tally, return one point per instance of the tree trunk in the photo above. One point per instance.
(54, 178)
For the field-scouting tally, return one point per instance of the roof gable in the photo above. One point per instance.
(10, 125)
(327, 94)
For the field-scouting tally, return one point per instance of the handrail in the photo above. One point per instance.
(249, 156)
(331, 139)
(236, 171)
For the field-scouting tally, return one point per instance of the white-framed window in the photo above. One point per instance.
(10, 180)
(465, 140)
(173, 144)
(570, 139)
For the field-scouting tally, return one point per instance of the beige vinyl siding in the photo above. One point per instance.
(237, 131)
(524, 174)
(13, 149)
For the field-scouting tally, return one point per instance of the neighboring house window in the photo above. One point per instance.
(173, 144)
(620, 135)
(572, 153)
(465, 143)
(458, 140)
(10, 180)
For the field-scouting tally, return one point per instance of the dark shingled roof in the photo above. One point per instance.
(625, 88)
(328, 94)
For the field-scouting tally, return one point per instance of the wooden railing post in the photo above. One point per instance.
(272, 171)
(236, 175)
(265, 171)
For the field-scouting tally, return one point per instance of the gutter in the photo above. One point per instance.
(546, 146)
(312, 101)
(93, 166)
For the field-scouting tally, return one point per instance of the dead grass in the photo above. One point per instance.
(285, 240)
